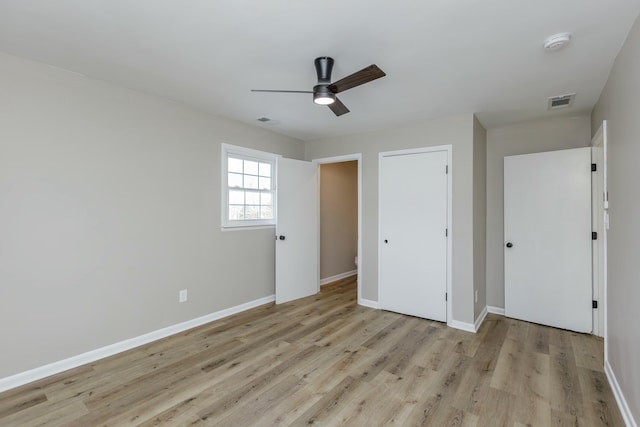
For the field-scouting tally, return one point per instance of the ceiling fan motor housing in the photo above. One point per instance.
(321, 93)
(324, 65)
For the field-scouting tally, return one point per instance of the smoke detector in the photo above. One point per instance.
(557, 41)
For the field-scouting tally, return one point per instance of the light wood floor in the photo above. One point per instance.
(326, 361)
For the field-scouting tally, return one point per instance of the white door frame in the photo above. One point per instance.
(599, 140)
(338, 159)
(449, 149)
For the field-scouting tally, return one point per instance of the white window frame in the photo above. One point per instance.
(247, 154)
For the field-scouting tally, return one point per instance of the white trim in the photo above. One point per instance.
(346, 158)
(601, 138)
(617, 393)
(495, 310)
(331, 279)
(597, 246)
(246, 227)
(368, 303)
(449, 150)
(481, 318)
(38, 373)
(463, 326)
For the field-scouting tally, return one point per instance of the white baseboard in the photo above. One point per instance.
(495, 310)
(368, 303)
(480, 319)
(331, 279)
(464, 326)
(35, 374)
(617, 392)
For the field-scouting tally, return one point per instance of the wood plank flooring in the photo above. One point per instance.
(326, 361)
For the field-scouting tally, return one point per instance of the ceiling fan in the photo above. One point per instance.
(324, 93)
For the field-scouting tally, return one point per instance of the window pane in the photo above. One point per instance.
(252, 212)
(235, 165)
(265, 169)
(235, 180)
(265, 183)
(253, 198)
(236, 212)
(266, 212)
(236, 197)
(250, 167)
(265, 199)
(250, 181)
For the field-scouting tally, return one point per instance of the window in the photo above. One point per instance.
(248, 187)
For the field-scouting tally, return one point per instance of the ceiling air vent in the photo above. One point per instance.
(562, 101)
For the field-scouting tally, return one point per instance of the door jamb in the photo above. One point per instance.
(599, 140)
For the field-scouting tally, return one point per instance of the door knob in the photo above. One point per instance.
(386, 241)
(509, 244)
(281, 237)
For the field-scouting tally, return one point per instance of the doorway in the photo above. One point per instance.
(338, 221)
(340, 226)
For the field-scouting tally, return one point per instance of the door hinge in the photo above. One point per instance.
(446, 169)
(594, 304)
(446, 296)
(594, 167)
(446, 232)
(594, 235)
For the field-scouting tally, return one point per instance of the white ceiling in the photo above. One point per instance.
(442, 57)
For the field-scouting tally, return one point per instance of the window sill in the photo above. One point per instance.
(246, 227)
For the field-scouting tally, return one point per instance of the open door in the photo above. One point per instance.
(297, 230)
(547, 230)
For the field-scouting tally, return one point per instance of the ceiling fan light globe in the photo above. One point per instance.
(324, 99)
(322, 95)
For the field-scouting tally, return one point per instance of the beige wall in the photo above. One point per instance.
(620, 104)
(479, 216)
(109, 205)
(338, 218)
(457, 131)
(524, 138)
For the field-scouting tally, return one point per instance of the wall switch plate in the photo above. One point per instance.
(182, 296)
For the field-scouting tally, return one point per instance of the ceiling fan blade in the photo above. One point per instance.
(358, 78)
(338, 108)
(281, 91)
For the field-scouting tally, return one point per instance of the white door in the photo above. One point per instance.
(297, 230)
(413, 244)
(547, 231)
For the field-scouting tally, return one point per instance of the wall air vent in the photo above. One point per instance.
(562, 101)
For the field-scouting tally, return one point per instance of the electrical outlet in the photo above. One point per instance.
(182, 296)
(476, 296)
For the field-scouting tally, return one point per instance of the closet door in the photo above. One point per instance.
(413, 242)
